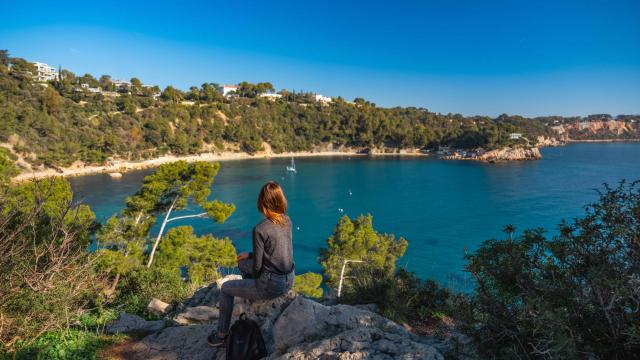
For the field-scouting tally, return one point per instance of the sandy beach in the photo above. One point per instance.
(122, 166)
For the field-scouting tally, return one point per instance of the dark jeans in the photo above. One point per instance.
(266, 286)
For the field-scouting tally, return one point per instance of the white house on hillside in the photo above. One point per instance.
(322, 98)
(121, 85)
(45, 72)
(226, 90)
(515, 136)
(270, 96)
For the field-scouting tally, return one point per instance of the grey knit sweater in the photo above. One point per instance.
(272, 247)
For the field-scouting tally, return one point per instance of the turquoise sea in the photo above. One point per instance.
(441, 207)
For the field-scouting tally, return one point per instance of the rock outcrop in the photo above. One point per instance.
(542, 141)
(293, 327)
(510, 154)
(133, 324)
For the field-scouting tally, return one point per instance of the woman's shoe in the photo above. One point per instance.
(215, 340)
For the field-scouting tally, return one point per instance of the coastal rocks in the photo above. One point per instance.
(173, 343)
(293, 327)
(266, 313)
(362, 343)
(542, 141)
(197, 314)
(306, 320)
(222, 280)
(115, 175)
(390, 151)
(510, 154)
(133, 324)
(158, 307)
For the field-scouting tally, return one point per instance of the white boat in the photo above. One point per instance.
(292, 167)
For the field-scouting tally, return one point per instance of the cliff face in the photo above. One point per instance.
(509, 154)
(293, 327)
(599, 130)
(542, 141)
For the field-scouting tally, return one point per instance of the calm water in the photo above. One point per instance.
(440, 207)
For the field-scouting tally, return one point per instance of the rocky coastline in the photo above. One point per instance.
(294, 327)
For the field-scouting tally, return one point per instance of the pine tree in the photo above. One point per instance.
(358, 240)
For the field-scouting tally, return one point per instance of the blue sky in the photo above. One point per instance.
(470, 57)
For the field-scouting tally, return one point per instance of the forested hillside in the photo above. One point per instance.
(56, 123)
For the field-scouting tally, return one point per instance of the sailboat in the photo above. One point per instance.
(292, 167)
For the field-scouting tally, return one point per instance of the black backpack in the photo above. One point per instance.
(245, 340)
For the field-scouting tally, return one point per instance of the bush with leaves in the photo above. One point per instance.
(200, 256)
(402, 296)
(309, 285)
(576, 295)
(46, 274)
(143, 284)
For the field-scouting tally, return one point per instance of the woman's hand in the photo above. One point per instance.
(243, 256)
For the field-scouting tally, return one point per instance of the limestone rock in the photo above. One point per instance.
(508, 154)
(127, 323)
(206, 296)
(222, 280)
(158, 307)
(173, 343)
(306, 320)
(197, 314)
(362, 343)
(369, 307)
(265, 313)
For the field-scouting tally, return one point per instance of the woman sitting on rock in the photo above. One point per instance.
(268, 271)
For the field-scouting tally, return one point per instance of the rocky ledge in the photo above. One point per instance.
(510, 154)
(293, 327)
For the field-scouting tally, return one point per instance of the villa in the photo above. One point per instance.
(121, 85)
(323, 99)
(270, 96)
(227, 90)
(45, 72)
(515, 136)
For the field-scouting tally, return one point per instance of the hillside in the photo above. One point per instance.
(81, 119)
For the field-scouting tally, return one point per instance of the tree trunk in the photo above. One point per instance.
(164, 223)
(112, 288)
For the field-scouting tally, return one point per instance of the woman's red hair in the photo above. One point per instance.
(272, 203)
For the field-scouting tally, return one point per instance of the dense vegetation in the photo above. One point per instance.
(60, 122)
(573, 296)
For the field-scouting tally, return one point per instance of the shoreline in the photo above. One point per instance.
(126, 166)
(122, 166)
(602, 140)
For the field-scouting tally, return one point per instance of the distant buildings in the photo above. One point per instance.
(271, 96)
(322, 98)
(45, 72)
(227, 90)
(90, 89)
(515, 136)
(121, 85)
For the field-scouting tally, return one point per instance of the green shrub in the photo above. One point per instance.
(308, 284)
(46, 275)
(576, 295)
(403, 296)
(64, 344)
(141, 285)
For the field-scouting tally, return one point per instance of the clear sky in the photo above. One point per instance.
(484, 57)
